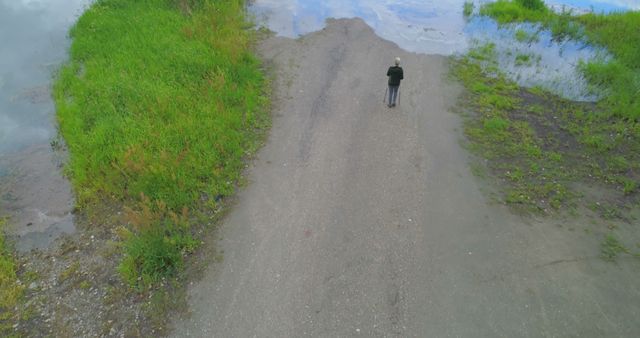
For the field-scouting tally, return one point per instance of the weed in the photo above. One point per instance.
(611, 248)
(536, 5)
(505, 11)
(468, 8)
(85, 285)
(629, 186)
(496, 125)
(71, 271)
(10, 290)
(523, 60)
(155, 246)
(618, 32)
(522, 35)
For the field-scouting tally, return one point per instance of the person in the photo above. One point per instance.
(395, 75)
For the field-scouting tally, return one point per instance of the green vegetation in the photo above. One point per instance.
(156, 244)
(468, 8)
(541, 147)
(522, 35)
(160, 103)
(611, 248)
(619, 78)
(523, 59)
(10, 290)
(506, 11)
(501, 134)
(535, 5)
(545, 149)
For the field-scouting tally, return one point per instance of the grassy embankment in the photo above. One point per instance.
(546, 150)
(159, 104)
(10, 290)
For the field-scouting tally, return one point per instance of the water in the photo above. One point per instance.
(551, 64)
(34, 41)
(438, 27)
(33, 193)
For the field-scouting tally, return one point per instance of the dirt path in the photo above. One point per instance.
(364, 220)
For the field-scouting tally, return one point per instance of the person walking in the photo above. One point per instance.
(395, 75)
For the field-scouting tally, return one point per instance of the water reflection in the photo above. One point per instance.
(438, 27)
(426, 26)
(33, 35)
(33, 193)
(538, 60)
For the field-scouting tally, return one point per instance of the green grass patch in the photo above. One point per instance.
(10, 290)
(619, 33)
(611, 248)
(506, 11)
(467, 10)
(568, 143)
(541, 147)
(523, 59)
(160, 103)
(513, 147)
(522, 35)
(155, 244)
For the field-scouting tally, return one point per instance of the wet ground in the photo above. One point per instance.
(33, 194)
(360, 220)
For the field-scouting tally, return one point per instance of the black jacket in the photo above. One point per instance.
(395, 75)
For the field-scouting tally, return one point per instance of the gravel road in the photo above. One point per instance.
(360, 220)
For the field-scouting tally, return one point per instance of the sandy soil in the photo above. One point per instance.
(360, 220)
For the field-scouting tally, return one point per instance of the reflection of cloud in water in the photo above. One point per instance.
(553, 64)
(34, 32)
(426, 26)
(423, 26)
(438, 27)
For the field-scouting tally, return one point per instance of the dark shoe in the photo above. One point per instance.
(393, 105)
(389, 106)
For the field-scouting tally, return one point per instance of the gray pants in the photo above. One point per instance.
(393, 94)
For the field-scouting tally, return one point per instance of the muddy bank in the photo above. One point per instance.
(36, 197)
(360, 219)
(33, 192)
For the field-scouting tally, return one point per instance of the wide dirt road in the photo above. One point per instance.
(361, 220)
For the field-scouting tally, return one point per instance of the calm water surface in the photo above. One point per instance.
(438, 27)
(33, 44)
(33, 193)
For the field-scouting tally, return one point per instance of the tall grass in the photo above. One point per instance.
(160, 102)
